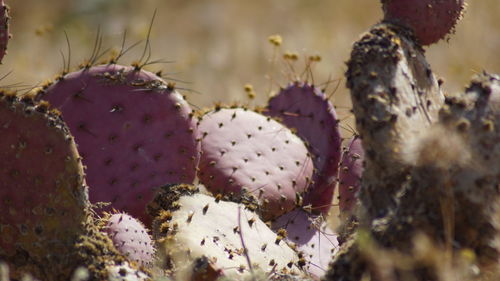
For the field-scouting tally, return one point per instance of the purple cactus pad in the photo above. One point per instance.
(130, 238)
(242, 149)
(306, 109)
(350, 173)
(134, 132)
(43, 198)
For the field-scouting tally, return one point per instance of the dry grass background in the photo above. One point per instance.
(220, 45)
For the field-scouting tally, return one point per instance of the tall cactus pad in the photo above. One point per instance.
(42, 194)
(395, 97)
(133, 131)
(316, 242)
(130, 238)
(307, 109)
(431, 20)
(4, 29)
(229, 235)
(351, 169)
(242, 149)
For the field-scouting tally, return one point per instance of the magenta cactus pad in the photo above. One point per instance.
(134, 132)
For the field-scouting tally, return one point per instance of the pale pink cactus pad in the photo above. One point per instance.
(130, 238)
(242, 149)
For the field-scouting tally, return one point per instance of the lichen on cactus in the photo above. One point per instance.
(236, 242)
(4, 29)
(134, 132)
(314, 240)
(350, 172)
(431, 20)
(245, 151)
(130, 238)
(41, 188)
(307, 110)
(395, 97)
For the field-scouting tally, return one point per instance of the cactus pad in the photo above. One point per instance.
(42, 194)
(431, 20)
(130, 238)
(134, 132)
(351, 169)
(230, 236)
(307, 110)
(243, 150)
(395, 97)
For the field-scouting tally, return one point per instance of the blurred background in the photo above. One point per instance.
(218, 46)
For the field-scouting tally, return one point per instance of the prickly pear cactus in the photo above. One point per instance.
(243, 150)
(351, 170)
(306, 109)
(395, 97)
(452, 196)
(236, 242)
(428, 197)
(431, 20)
(4, 29)
(134, 132)
(314, 240)
(42, 192)
(130, 238)
(101, 260)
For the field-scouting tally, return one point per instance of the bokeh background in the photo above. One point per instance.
(218, 46)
